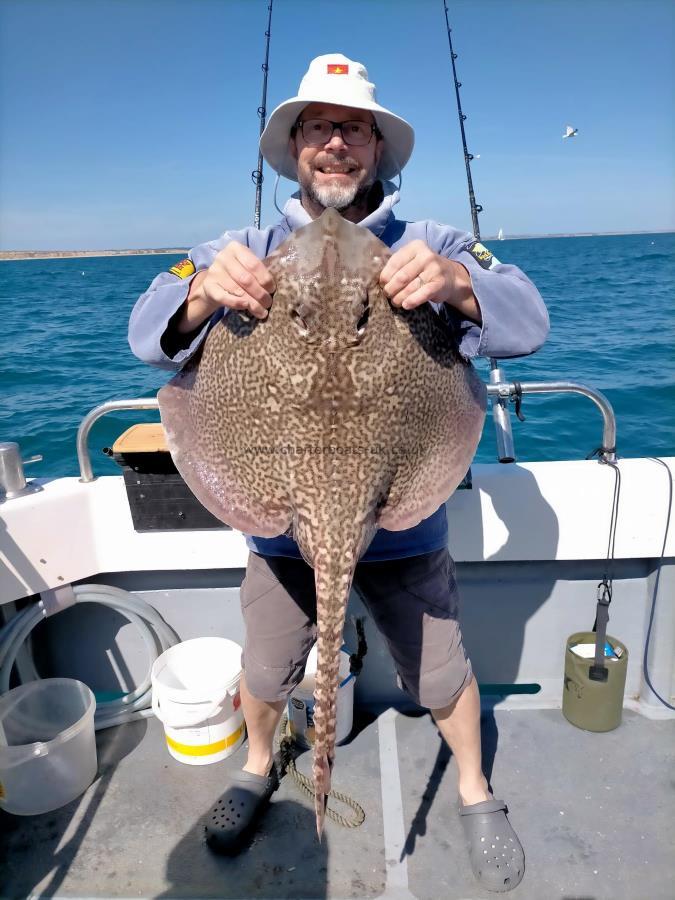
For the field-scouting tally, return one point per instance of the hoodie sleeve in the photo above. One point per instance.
(153, 335)
(515, 320)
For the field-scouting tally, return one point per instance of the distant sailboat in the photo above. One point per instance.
(500, 235)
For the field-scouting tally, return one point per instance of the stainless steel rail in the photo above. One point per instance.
(501, 391)
(86, 473)
(508, 390)
(501, 418)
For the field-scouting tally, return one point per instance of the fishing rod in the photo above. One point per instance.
(500, 412)
(475, 207)
(257, 174)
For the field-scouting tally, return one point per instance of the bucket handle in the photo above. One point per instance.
(184, 720)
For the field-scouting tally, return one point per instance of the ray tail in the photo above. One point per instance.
(333, 583)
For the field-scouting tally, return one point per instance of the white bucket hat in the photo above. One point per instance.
(337, 80)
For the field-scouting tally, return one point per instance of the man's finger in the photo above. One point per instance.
(256, 309)
(404, 277)
(234, 297)
(247, 280)
(417, 298)
(237, 299)
(399, 259)
(252, 264)
(415, 295)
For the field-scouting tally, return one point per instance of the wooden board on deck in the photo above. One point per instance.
(147, 437)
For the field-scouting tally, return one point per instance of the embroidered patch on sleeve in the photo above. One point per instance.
(183, 269)
(482, 255)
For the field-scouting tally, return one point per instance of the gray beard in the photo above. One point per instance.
(337, 196)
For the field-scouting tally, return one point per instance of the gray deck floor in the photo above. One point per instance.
(595, 813)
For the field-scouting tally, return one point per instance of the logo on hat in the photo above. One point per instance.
(336, 69)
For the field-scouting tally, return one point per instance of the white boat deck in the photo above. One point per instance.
(594, 813)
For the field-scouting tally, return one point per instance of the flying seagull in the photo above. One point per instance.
(570, 132)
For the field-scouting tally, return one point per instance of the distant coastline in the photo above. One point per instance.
(82, 254)
(573, 234)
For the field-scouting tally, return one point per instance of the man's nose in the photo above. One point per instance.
(336, 140)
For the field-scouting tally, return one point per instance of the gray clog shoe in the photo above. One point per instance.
(496, 854)
(238, 810)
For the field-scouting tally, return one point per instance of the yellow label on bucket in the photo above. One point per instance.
(205, 749)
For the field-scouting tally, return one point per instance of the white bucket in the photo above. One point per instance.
(301, 703)
(195, 694)
(47, 745)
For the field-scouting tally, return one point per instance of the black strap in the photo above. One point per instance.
(518, 399)
(598, 671)
(356, 659)
(601, 452)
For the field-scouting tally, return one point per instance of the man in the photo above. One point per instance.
(342, 147)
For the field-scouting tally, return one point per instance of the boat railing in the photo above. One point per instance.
(502, 392)
(83, 458)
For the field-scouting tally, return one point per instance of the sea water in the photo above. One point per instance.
(611, 301)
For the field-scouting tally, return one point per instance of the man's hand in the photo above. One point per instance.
(414, 274)
(236, 279)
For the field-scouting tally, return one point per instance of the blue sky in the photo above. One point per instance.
(132, 123)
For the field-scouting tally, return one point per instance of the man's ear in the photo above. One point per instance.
(292, 147)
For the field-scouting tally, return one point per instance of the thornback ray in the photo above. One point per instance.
(335, 415)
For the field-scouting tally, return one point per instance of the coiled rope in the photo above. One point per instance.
(288, 751)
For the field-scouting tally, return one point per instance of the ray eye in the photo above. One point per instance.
(299, 322)
(361, 324)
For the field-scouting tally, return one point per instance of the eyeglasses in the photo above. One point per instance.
(319, 131)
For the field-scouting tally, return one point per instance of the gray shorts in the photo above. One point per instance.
(414, 602)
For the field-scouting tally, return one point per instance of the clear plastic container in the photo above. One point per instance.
(47, 745)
